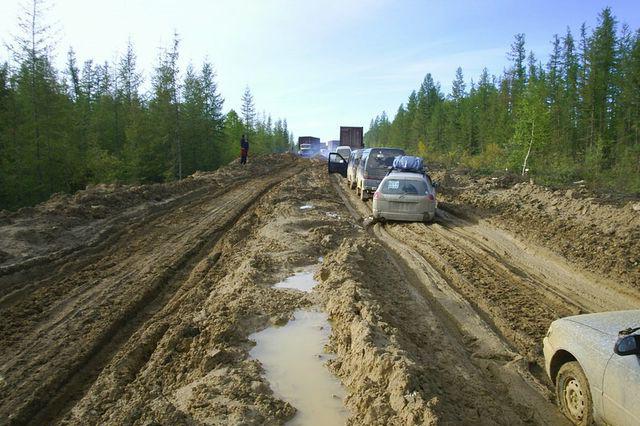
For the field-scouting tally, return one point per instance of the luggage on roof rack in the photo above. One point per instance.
(408, 163)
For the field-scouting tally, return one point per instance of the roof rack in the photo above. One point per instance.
(408, 163)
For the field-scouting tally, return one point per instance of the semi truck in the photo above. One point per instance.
(351, 136)
(308, 146)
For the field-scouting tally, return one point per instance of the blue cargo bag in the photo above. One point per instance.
(408, 163)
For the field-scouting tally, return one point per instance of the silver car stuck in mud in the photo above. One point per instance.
(405, 196)
(594, 362)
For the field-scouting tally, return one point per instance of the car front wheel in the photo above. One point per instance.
(574, 395)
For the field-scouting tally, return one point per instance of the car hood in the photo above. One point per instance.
(610, 323)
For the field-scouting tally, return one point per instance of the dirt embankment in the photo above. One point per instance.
(600, 234)
(401, 361)
(66, 223)
(62, 326)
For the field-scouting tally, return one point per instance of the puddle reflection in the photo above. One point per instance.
(302, 280)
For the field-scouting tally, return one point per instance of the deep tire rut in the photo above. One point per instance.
(211, 216)
(437, 279)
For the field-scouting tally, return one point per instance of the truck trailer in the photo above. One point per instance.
(351, 136)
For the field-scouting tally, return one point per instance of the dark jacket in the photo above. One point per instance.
(244, 144)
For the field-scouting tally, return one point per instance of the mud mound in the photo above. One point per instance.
(189, 363)
(600, 235)
(394, 353)
(67, 222)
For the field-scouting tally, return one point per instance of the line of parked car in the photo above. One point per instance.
(593, 360)
(399, 185)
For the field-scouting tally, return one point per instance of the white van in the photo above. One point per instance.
(344, 151)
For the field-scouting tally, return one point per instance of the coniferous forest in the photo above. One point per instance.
(574, 116)
(61, 129)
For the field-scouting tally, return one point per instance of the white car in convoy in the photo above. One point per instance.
(405, 196)
(344, 151)
(594, 362)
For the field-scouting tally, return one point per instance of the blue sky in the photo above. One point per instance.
(320, 64)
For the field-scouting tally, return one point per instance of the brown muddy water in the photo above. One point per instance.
(293, 358)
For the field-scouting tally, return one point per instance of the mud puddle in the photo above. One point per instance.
(301, 280)
(294, 362)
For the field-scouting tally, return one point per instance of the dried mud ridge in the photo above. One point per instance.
(148, 322)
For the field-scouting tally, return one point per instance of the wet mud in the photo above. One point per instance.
(150, 309)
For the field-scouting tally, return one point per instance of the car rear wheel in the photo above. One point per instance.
(363, 195)
(574, 395)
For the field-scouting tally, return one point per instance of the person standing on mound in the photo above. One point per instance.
(244, 149)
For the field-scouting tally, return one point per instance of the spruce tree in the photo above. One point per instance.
(248, 111)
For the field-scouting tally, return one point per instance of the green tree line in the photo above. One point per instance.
(92, 123)
(575, 117)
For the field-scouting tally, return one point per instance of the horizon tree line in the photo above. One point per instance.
(575, 117)
(92, 123)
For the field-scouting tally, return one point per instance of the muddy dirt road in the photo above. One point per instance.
(134, 305)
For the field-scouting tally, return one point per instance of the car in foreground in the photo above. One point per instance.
(594, 362)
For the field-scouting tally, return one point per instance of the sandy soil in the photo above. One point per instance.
(600, 234)
(140, 311)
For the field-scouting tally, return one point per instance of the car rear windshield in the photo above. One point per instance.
(404, 187)
(383, 159)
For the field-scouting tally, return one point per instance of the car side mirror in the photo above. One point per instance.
(627, 345)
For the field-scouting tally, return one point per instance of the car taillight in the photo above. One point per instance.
(431, 197)
(376, 195)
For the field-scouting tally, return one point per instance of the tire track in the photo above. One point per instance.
(589, 292)
(91, 327)
(37, 271)
(519, 314)
(516, 288)
(474, 328)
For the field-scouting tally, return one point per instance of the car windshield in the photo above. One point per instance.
(404, 187)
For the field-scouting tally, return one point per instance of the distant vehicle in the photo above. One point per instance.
(372, 168)
(310, 140)
(594, 362)
(305, 150)
(354, 160)
(344, 151)
(352, 137)
(309, 146)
